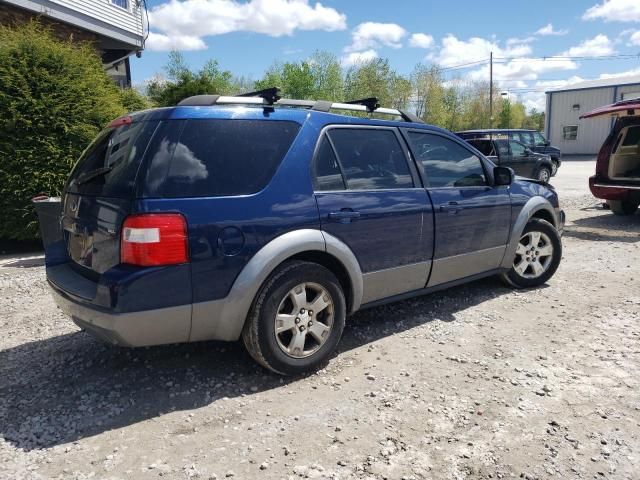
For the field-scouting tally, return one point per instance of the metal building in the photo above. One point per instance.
(565, 130)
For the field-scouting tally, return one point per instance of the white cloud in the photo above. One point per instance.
(159, 41)
(634, 39)
(177, 20)
(627, 73)
(548, 30)
(522, 69)
(355, 58)
(455, 51)
(614, 11)
(420, 40)
(371, 35)
(517, 41)
(596, 46)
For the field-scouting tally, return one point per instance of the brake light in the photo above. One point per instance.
(153, 239)
(118, 122)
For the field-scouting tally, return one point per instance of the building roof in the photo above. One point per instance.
(599, 83)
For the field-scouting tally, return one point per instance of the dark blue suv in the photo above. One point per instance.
(273, 220)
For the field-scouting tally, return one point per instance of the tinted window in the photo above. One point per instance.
(219, 157)
(526, 138)
(517, 149)
(371, 159)
(484, 146)
(540, 141)
(446, 163)
(108, 167)
(503, 148)
(326, 172)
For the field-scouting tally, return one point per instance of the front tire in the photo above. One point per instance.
(297, 319)
(621, 207)
(554, 168)
(544, 174)
(537, 256)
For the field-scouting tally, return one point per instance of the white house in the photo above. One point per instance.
(564, 128)
(116, 27)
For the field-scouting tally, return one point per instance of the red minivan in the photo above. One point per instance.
(617, 178)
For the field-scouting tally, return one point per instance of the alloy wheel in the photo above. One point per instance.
(534, 255)
(304, 320)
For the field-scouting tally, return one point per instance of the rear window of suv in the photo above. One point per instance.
(108, 167)
(215, 157)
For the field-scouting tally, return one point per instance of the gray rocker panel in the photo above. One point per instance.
(456, 267)
(394, 281)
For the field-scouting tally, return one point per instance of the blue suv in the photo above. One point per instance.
(273, 220)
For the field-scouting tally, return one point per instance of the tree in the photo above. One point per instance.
(317, 78)
(55, 98)
(181, 82)
(373, 78)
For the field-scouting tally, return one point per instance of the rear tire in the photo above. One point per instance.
(537, 256)
(621, 207)
(544, 174)
(283, 332)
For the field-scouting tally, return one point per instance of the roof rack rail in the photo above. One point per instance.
(270, 97)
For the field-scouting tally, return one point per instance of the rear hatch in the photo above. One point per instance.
(618, 161)
(99, 194)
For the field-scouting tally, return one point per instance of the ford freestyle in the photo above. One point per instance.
(272, 220)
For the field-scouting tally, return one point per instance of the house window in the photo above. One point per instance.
(121, 3)
(570, 132)
(576, 106)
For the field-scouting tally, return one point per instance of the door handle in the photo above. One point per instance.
(452, 208)
(346, 215)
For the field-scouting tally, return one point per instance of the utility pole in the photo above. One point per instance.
(491, 90)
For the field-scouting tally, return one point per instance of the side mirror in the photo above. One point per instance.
(503, 176)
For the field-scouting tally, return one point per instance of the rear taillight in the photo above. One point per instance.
(154, 239)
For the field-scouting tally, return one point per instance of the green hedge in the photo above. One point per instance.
(55, 98)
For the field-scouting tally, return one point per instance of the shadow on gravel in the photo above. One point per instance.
(71, 387)
(25, 263)
(607, 228)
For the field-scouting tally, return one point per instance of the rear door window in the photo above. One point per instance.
(216, 157)
(371, 158)
(108, 167)
(326, 171)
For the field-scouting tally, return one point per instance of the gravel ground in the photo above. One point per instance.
(476, 382)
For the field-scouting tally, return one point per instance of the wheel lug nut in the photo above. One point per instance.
(302, 311)
(297, 320)
(302, 328)
(310, 313)
(310, 324)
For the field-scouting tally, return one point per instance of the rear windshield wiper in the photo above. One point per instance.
(98, 172)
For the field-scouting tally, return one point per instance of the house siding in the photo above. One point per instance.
(103, 10)
(98, 16)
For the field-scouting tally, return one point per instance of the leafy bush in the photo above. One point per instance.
(133, 101)
(55, 98)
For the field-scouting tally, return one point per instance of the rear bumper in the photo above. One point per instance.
(131, 329)
(609, 190)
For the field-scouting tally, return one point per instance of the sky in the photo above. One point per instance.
(247, 36)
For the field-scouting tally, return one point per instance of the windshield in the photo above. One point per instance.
(539, 140)
(109, 165)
